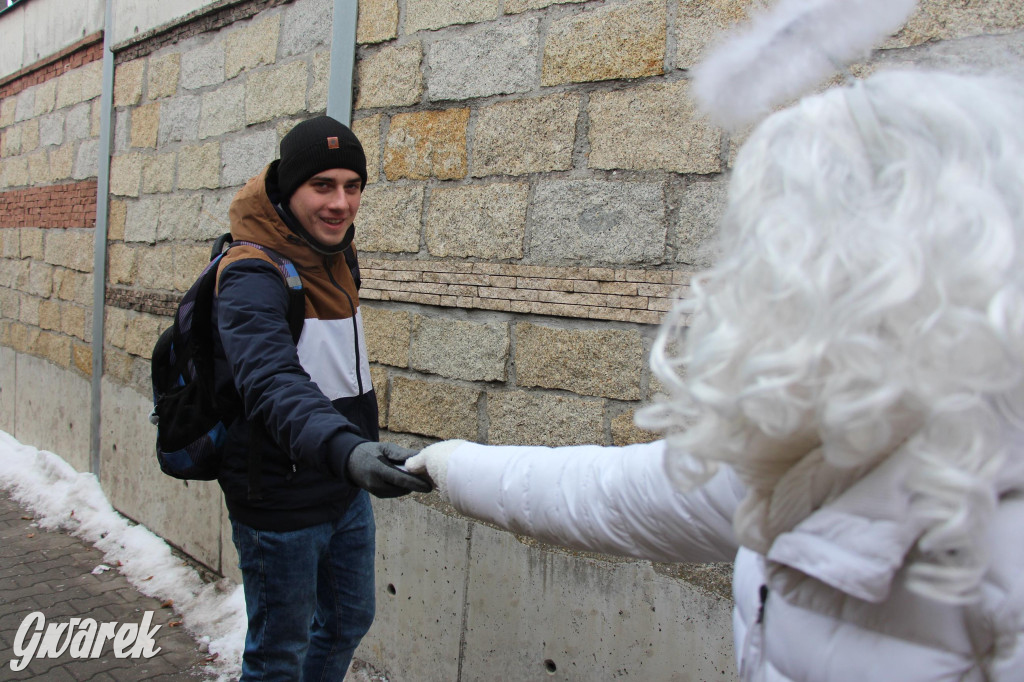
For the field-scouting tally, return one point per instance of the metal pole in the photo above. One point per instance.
(99, 263)
(343, 60)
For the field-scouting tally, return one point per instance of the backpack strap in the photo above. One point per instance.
(296, 297)
(219, 243)
(192, 321)
(296, 318)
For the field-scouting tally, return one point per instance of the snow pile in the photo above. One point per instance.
(62, 498)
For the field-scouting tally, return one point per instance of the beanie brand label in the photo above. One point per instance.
(332, 143)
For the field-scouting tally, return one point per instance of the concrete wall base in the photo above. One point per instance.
(8, 388)
(186, 514)
(46, 406)
(457, 600)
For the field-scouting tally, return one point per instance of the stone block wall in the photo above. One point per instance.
(199, 108)
(541, 186)
(521, 233)
(49, 129)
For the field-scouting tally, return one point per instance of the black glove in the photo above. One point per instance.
(372, 466)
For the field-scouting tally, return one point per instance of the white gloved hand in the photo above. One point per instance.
(433, 460)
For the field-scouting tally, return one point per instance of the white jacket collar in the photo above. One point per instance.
(857, 542)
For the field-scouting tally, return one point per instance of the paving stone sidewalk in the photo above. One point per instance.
(51, 572)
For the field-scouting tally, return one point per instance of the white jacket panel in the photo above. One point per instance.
(333, 353)
(828, 604)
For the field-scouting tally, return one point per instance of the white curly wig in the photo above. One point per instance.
(869, 298)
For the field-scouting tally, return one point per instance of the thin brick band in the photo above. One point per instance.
(627, 295)
(640, 296)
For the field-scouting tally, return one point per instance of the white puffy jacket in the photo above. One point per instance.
(826, 604)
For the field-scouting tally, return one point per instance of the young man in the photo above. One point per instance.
(302, 453)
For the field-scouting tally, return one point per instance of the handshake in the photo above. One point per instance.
(389, 470)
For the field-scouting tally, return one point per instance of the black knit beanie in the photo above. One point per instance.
(316, 145)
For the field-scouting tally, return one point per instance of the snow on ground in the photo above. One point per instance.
(62, 498)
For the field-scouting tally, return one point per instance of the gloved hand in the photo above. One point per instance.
(372, 467)
(433, 460)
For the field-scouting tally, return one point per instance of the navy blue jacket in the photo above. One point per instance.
(297, 403)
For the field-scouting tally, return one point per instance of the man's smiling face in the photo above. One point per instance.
(327, 203)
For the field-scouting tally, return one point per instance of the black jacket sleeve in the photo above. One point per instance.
(252, 321)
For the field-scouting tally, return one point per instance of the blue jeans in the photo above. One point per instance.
(309, 596)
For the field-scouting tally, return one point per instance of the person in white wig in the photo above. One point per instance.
(845, 416)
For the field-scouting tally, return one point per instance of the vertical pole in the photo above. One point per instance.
(343, 60)
(99, 262)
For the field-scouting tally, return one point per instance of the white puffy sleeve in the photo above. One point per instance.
(603, 499)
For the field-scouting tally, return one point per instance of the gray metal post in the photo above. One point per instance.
(99, 262)
(343, 60)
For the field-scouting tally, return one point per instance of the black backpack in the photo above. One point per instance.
(190, 416)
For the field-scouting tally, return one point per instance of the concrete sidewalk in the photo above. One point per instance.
(51, 572)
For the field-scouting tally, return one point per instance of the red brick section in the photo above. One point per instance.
(86, 50)
(626, 295)
(68, 205)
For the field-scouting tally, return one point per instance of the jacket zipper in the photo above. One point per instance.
(752, 656)
(763, 595)
(355, 326)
